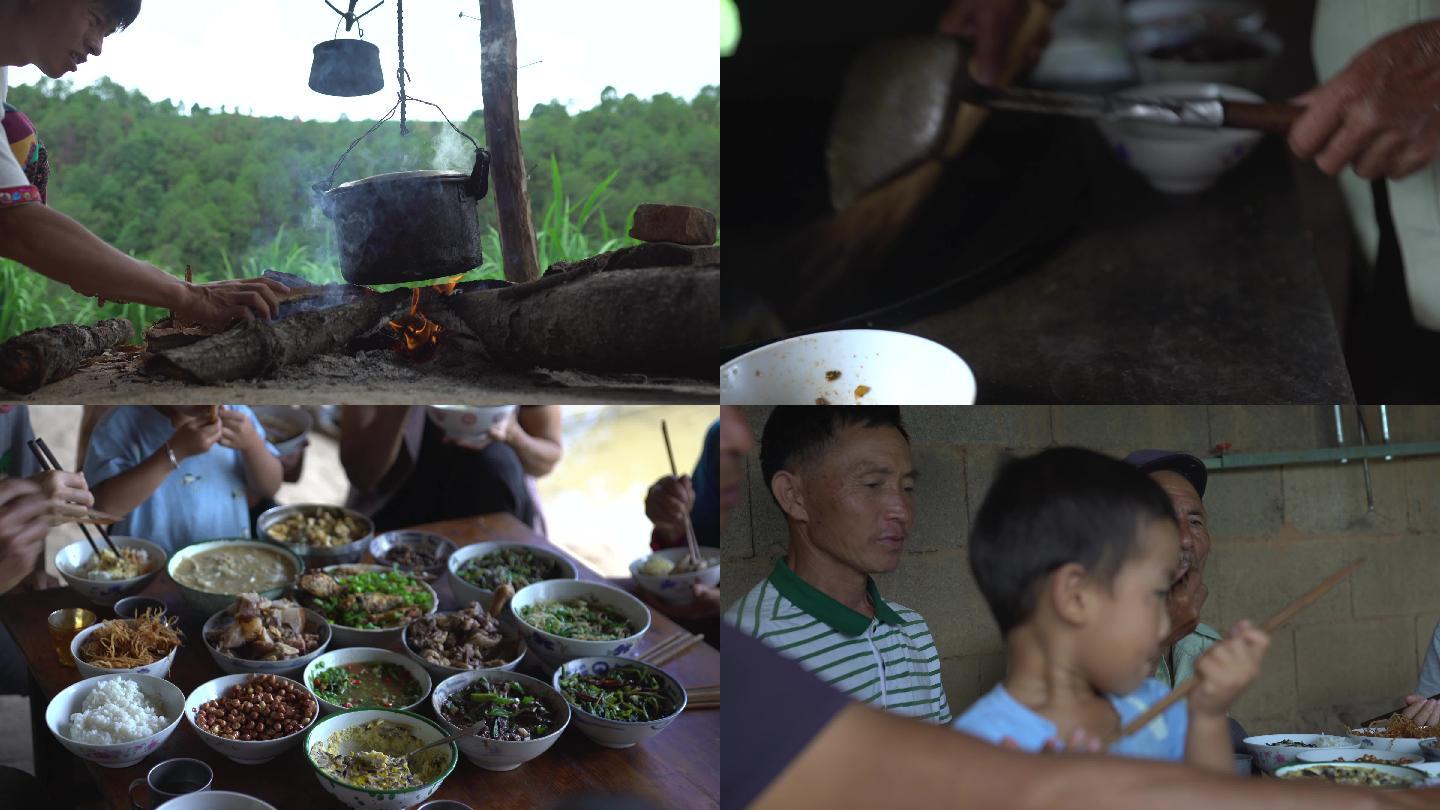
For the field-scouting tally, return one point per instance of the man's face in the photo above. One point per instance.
(1190, 516)
(736, 441)
(68, 32)
(858, 497)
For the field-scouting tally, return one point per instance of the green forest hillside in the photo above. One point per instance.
(229, 193)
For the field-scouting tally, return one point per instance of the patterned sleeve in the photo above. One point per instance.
(22, 146)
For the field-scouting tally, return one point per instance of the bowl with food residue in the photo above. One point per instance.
(106, 577)
(358, 756)
(115, 721)
(849, 367)
(211, 574)
(459, 641)
(670, 572)
(366, 605)
(319, 533)
(1272, 751)
(1384, 777)
(259, 635)
(475, 571)
(519, 717)
(619, 702)
(563, 619)
(366, 678)
(1239, 58)
(143, 646)
(251, 719)
(424, 554)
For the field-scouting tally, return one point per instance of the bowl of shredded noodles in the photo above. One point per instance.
(106, 577)
(144, 645)
(1399, 733)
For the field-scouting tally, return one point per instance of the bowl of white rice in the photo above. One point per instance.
(115, 720)
(103, 583)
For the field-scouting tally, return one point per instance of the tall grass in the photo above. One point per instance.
(28, 300)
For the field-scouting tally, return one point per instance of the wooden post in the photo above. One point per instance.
(502, 133)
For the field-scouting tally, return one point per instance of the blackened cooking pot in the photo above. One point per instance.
(409, 226)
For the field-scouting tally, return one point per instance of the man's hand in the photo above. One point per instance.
(1423, 711)
(237, 432)
(64, 487)
(1381, 114)
(991, 25)
(24, 523)
(668, 503)
(221, 303)
(195, 436)
(1186, 598)
(1226, 669)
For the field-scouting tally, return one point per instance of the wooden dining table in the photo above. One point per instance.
(677, 768)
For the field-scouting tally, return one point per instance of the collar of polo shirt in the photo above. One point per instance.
(816, 603)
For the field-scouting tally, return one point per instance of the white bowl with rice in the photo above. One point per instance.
(554, 649)
(115, 725)
(159, 668)
(655, 573)
(105, 584)
(1274, 751)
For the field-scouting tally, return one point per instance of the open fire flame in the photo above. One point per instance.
(418, 337)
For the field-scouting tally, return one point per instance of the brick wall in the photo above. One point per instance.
(1277, 531)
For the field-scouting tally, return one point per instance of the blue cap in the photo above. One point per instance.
(1149, 461)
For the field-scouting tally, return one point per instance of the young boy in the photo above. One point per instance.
(160, 468)
(1075, 553)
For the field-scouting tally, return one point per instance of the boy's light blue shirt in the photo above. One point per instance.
(998, 715)
(203, 500)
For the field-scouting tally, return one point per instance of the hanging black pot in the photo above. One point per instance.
(346, 67)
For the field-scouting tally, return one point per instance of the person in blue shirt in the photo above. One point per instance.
(1075, 553)
(181, 474)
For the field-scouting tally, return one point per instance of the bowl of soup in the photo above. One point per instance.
(366, 678)
(210, 575)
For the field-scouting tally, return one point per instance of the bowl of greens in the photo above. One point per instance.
(619, 702)
(366, 605)
(521, 716)
(475, 571)
(366, 678)
(563, 619)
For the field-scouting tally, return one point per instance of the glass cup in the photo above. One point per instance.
(65, 624)
(173, 778)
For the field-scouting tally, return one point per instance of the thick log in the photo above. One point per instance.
(51, 353)
(650, 254)
(259, 348)
(502, 135)
(657, 321)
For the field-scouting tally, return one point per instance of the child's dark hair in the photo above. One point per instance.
(122, 12)
(1060, 506)
(795, 433)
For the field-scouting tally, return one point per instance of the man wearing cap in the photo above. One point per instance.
(1182, 476)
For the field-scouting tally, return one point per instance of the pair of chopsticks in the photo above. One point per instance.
(48, 462)
(689, 527)
(1271, 625)
(703, 697)
(669, 649)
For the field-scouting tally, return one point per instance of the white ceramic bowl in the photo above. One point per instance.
(243, 666)
(616, 733)
(1430, 769)
(875, 367)
(554, 650)
(1410, 775)
(1391, 757)
(467, 592)
(675, 588)
(217, 800)
(1270, 757)
(467, 421)
(117, 755)
(1400, 745)
(1251, 74)
(342, 636)
(245, 752)
(1180, 160)
(286, 426)
(1244, 15)
(502, 755)
(437, 544)
(360, 655)
(440, 671)
(158, 669)
(207, 602)
(1430, 748)
(70, 559)
(316, 556)
(423, 728)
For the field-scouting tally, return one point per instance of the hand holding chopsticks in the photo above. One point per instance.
(86, 517)
(689, 527)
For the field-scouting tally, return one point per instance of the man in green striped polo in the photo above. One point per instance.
(844, 478)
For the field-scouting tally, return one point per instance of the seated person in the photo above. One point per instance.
(405, 471)
(1075, 553)
(66, 492)
(181, 474)
(843, 477)
(669, 503)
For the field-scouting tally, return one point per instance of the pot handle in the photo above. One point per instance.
(479, 181)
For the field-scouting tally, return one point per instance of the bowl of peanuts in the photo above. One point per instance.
(251, 718)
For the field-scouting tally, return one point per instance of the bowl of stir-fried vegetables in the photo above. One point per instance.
(366, 605)
(619, 702)
(475, 571)
(562, 619)
(522, 716)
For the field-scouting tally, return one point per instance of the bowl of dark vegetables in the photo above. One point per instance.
(563, 619)
(366, 678)
(519, 717)
(619, 702)
(475, 571)
(423, 554)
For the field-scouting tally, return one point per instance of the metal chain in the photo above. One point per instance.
(330, 181)
(400, 72)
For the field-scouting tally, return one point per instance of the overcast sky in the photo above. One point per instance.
(255, 55)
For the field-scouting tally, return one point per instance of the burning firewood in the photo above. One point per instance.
(42, 356)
